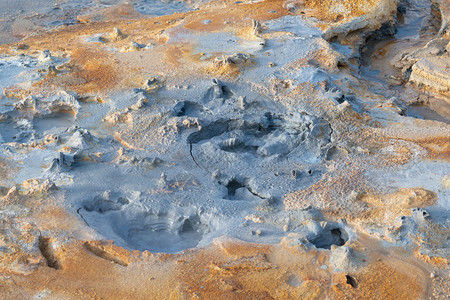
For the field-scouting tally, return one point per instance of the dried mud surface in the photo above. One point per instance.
(265, 149)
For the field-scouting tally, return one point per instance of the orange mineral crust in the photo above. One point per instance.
(227, 269)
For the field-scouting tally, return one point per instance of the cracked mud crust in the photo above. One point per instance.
(263, 149)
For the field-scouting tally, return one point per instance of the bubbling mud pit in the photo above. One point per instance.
(224, 149)
(231, 156)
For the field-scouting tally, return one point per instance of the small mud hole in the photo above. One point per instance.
(46, 248)
(232, 187)
(352, 281)
(330, 236)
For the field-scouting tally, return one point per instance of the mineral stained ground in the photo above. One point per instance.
(265, 149)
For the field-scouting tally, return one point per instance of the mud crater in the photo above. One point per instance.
(133, 227)
(161, 233)
(330, 235)
(274, 134)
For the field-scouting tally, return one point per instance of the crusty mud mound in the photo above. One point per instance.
(224, 149)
